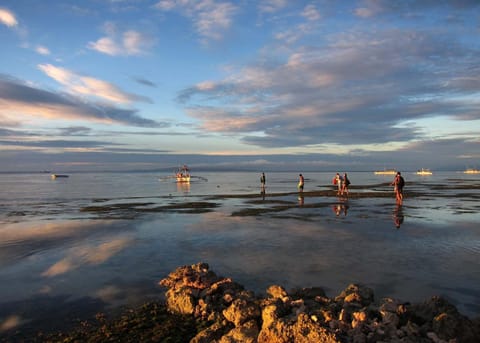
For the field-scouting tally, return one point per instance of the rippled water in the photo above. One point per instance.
(58, 259)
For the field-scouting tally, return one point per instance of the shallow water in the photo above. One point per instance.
(58, 260)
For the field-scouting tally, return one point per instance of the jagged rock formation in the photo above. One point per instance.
(308, 315)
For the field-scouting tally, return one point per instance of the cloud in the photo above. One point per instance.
(85, 85)
(42, 50)
(372, 8)
(311, 12)
(18, 100)
(7, 18)
(56, 144)
(355, 89)
(270, 6)
(210, 18)
(145, 82)
(75, 131)
(127, 43)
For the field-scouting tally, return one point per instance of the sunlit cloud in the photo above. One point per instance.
(210, 18)
(336, 88)
(21, 101)
(7, 18)
(85, 85)
(127, 43)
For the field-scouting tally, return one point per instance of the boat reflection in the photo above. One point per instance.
(183, 187)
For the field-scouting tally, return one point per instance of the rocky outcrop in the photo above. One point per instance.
(234, 314)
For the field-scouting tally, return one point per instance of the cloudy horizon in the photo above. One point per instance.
(221, 85)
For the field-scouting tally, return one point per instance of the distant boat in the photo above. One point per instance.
(183, 174)
(471, 171)
(55, 176)
(385, 172)
(424, 172)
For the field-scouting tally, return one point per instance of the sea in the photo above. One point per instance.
(98, 242)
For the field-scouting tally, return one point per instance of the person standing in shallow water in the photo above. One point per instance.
(339, 183)
(263, 181)
(345, 184)
(398, 183)
(301, 182)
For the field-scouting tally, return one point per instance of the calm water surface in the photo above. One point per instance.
(58, 261)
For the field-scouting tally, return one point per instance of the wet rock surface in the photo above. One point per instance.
(234, 314)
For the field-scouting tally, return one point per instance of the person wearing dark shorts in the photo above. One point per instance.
(301, 182)
(398, 184)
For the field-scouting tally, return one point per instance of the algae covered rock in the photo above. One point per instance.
(233, 314)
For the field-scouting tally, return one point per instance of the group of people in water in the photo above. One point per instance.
(343, 182)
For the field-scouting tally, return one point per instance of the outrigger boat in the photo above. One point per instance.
(55, 176)
(182, 175)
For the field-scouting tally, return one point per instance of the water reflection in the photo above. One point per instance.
(340, 209)
(49, 258)
(183, 187)
(21, 240)
(301, 200)
(398, 216)
(87, 255)
(95, 258)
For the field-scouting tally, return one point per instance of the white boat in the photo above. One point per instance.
(424, 172)
(183, 174)
(471, 171)
(55, 176)
(385, 172)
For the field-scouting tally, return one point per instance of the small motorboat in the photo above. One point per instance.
(385, 172)
(56, 176)
(424, 172)
(471, 171)
(183, 174)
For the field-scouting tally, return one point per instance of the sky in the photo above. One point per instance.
(264, 85)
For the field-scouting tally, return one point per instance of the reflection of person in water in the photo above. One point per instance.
(398, 216)
(301, 200)
(340, 208)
